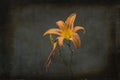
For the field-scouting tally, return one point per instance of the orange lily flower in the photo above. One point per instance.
(66, 31)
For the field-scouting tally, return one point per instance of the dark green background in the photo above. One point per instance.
(24, 50)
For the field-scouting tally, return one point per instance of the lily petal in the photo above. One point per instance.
(50, 57)
(53, 31)
(76, 40)
(76, 28)
(60, 41)
(61, 24)
(70, 20)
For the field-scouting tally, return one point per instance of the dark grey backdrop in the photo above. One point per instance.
(24, 50)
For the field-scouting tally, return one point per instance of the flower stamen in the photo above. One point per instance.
(67, 34)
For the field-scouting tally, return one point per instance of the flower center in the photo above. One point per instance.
(67, 34)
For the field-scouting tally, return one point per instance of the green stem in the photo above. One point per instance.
(63, 57)
(71, 56)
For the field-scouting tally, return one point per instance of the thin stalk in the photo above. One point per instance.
(63, 57)
(71, 56)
